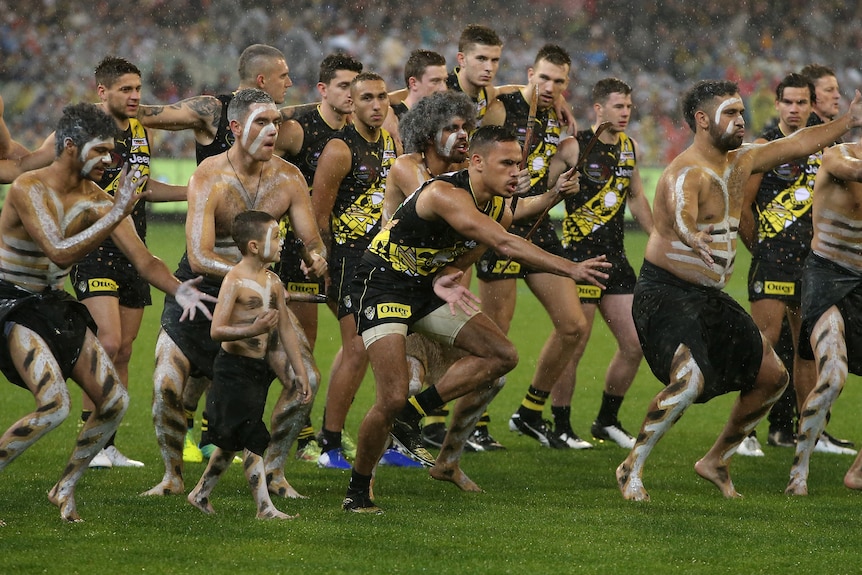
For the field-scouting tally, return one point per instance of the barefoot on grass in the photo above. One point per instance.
(632, 488)
(797, 486)
(273, 513)
(719, 476)
(202, 503)
(278, 485)
(68, 508)
(172, 486)
(455, 475)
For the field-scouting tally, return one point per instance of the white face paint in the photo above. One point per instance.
(446, 147)
(265, 131)
(720, 109)
(271, 232)
(91, 163)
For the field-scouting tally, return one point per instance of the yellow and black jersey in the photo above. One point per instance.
(595, 215)
(359, 202)
(782, 208)
(481, 101)
(132, 146)
(419, 248)
(542, 146)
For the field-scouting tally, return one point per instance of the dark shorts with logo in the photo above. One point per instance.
(342, 271)
(490, 265)
(290, 272)
(104, 273)
(384, 296)
(782, 282)
(236, 401)
(825, 284)
(621, 279)
(723, 339)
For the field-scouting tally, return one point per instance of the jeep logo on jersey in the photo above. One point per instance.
(139, 159)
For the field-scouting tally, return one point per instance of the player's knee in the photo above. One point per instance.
(505, 359)
(574, 329)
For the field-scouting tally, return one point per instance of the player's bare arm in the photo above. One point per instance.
(804, 142)
(332, 166)
(91, 221)
(457, 208)
(199, 113)
(302, 218)
(638, 202)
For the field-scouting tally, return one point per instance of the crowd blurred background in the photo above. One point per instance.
(48, 49)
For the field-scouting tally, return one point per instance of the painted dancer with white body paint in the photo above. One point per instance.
(831, 302)
(260, 66)
(245, 177)
(251, 311)
(697, 340)
(51, 219)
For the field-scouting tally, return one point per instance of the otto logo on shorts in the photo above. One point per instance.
(393, 310)
(303, 288)
(101, 284)
(779, 288)
(589, 292)
(513, 268)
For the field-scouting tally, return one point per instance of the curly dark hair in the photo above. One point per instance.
(420, 124)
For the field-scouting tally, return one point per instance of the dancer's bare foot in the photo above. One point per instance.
(853, 480)
(168, 486)
(632, 488)
(67, 505)
(799, 486)
(273, 513)
(277, 485)
(719, 476)
(202, 503)
(453, 473)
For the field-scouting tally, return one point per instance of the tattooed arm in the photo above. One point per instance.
(198, 113)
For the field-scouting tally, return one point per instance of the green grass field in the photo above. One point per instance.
(543, 511)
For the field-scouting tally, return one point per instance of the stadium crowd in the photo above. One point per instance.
(188, 47)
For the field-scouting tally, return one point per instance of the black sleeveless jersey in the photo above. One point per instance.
(543, 144)
(399, 109)
(782, 208)
(316, 134)
(224, 137)
(359, 202)
(454, 84)
(419, 248)
(595, 215)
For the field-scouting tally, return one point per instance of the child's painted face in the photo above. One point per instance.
(272, 243)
